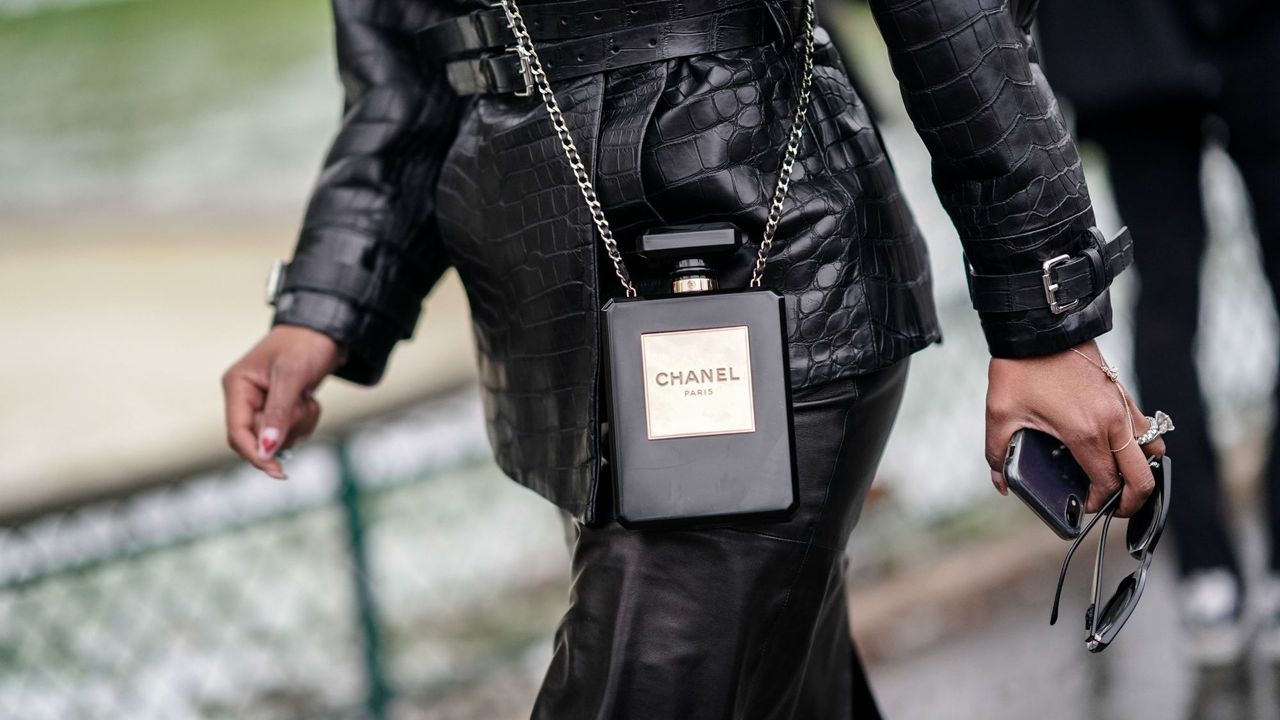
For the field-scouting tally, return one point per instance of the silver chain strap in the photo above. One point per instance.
(793, 148)
(529, 56)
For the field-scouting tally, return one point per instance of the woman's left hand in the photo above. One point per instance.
(1073, 400)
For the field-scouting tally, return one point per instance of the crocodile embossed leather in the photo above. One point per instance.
(421, 179)
(699, 394)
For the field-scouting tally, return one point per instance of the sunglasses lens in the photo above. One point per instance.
(1120, 605)
(1144, 526)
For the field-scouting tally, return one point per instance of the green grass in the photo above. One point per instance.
(121, 71)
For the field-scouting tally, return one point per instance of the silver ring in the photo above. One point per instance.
(1158, 425)
(284, 455)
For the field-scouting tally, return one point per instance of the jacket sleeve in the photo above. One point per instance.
(369, 250)
(1004, 164)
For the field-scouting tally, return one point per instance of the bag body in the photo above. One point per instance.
(700, 409)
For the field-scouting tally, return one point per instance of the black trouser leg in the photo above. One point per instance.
(1155, 171)
(745, 621)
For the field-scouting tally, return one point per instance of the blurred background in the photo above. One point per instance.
(155, 156)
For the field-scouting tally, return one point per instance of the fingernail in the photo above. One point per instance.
(995, 480)
(268, 441)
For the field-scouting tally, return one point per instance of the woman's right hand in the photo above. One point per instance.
(269, 393)
(1069, 396)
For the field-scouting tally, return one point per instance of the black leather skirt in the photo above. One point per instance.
(742, 622)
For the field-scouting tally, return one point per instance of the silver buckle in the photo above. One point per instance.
(526, 72)
(275, 281)
(526, 69)
(1051, 287)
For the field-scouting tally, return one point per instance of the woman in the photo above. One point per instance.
(681, 112)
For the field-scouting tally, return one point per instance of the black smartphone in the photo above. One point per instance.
(1042, 472)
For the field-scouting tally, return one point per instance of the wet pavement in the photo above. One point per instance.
(1016, 667)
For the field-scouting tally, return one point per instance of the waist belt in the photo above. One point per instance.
(593, 38)
(1061, 284)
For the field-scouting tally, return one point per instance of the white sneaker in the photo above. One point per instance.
(1212, 614)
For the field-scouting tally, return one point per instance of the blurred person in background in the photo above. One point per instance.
(439, 163)
(1151, 81)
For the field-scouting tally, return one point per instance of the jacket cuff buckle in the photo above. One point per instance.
(1051, 288)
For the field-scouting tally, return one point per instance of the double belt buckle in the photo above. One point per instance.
(526, 66)
(1051, 287)
(526, 71)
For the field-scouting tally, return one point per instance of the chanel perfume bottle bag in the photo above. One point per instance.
(699, 401)
(699, 408)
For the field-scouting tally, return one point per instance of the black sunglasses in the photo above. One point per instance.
(1145, 528)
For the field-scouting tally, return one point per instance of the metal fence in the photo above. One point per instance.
(360, 589)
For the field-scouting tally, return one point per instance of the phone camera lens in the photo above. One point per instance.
(1073, 510)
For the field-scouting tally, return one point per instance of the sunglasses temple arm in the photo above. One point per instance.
(1062, 574)
(1062, 577)
(1097, 576)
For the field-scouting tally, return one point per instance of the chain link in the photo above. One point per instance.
(793, 149)
(529, 56)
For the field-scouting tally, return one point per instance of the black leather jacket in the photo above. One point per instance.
(419, 180)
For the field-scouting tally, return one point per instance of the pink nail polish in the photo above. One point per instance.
(268, 442)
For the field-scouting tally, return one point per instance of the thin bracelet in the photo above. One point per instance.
(1114, 376)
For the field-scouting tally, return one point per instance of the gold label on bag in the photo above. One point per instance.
(697, 382)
